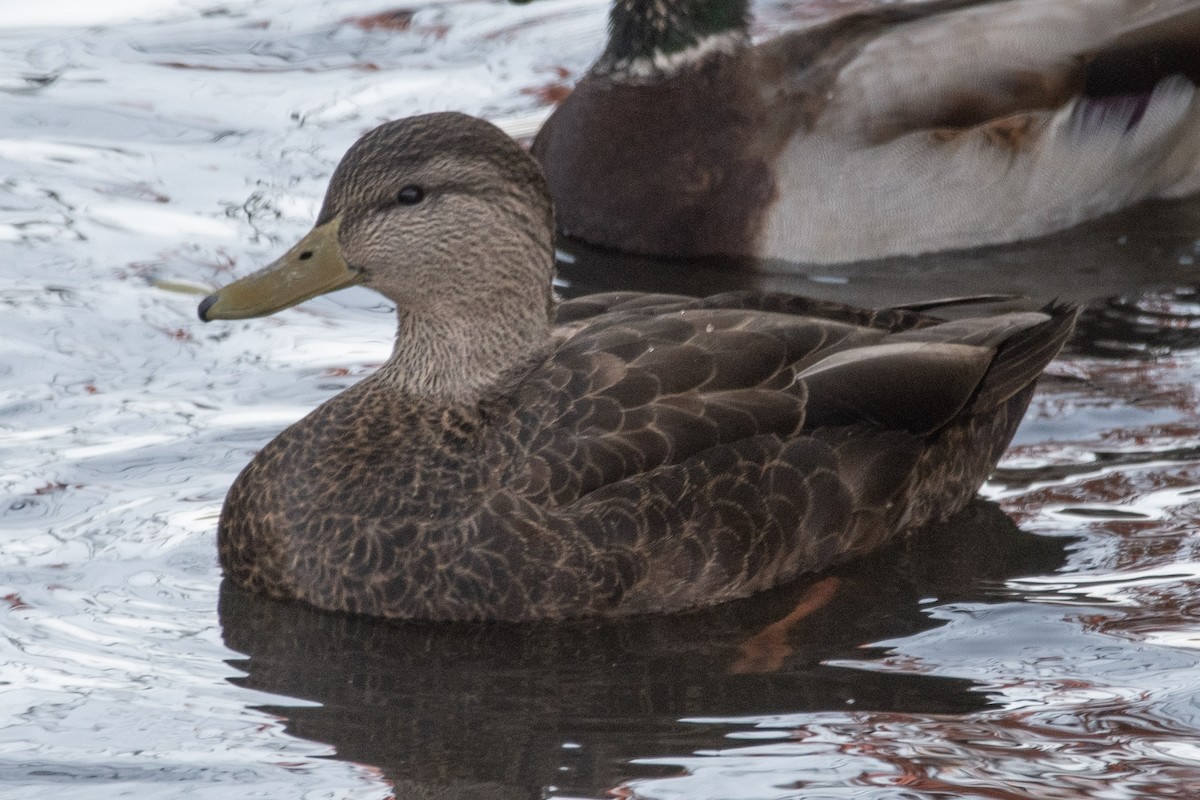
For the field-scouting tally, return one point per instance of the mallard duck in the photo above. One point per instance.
(901, 129)
(619, 453)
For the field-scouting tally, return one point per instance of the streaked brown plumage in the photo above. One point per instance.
(647, 453)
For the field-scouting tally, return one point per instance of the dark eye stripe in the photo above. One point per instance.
(410, 195)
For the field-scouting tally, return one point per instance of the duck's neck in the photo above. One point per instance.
(456, 359)
(458, 347)
(651, 39)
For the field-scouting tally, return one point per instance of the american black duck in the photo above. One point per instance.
(900, 129)
(519, 459)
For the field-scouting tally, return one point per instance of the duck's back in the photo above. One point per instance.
(778, 449)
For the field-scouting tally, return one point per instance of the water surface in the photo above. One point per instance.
(1042, 645)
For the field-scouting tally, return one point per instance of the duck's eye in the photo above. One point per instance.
(410, 195)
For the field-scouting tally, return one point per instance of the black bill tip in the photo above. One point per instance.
(205, 305)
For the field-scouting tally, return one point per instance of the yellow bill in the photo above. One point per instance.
(313, 267)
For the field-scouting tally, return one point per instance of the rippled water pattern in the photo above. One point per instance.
(150, 149)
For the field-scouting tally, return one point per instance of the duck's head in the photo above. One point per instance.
(655, 39)
(438, 213)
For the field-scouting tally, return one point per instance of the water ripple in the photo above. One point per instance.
(152, 149)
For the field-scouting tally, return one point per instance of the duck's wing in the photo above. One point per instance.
(923, 380)
(637, 390)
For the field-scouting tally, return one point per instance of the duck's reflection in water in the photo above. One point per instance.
(503, 711)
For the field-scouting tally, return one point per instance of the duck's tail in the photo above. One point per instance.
(1024, 343)
(1022, 356)
(965, 452)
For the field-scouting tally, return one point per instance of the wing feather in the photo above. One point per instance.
(642, 388)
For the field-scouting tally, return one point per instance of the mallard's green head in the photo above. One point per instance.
(649, 38)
